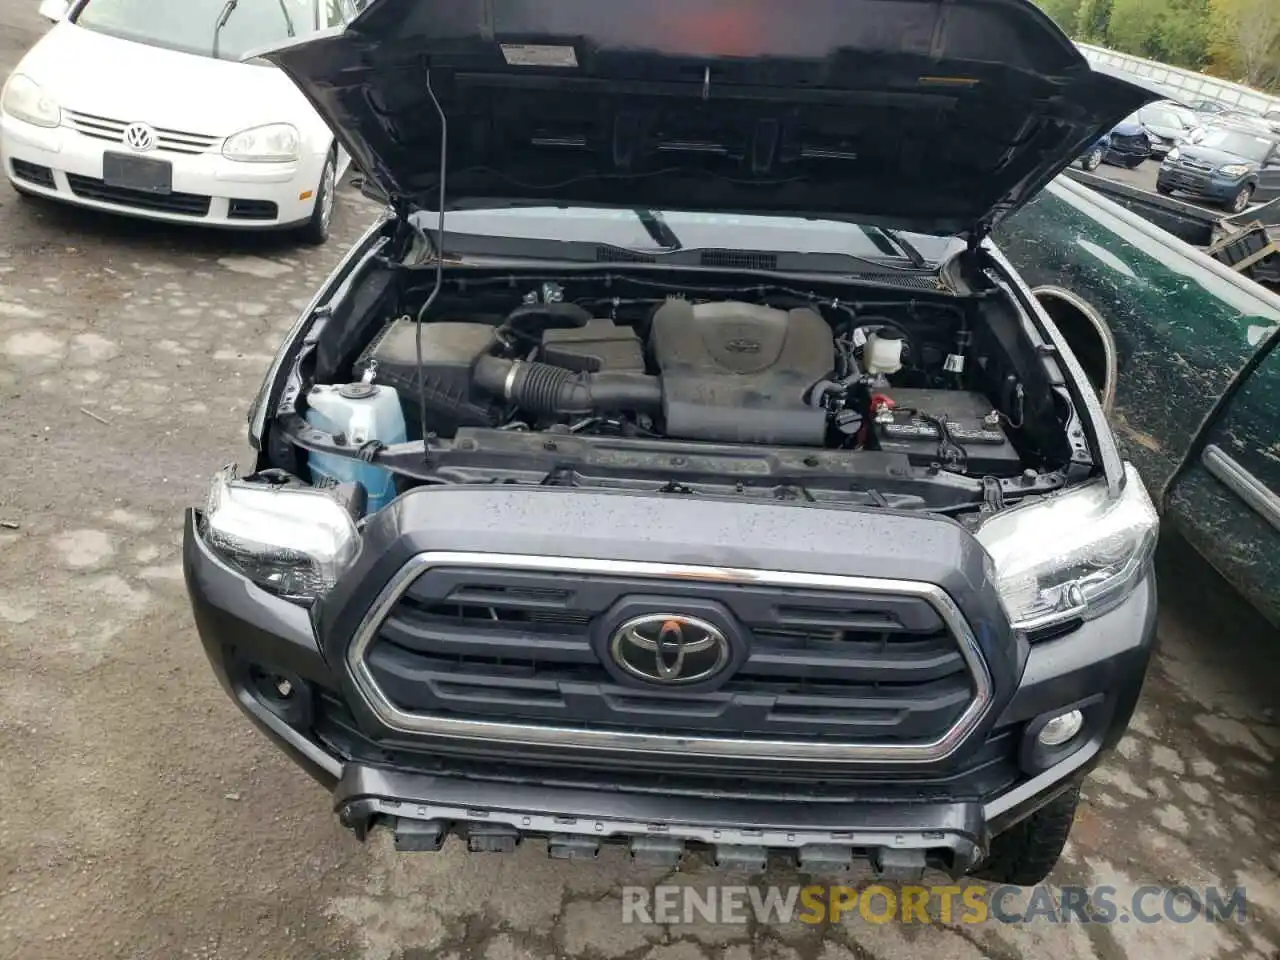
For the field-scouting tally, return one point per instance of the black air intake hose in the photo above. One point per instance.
(543, 388)
(530, 320)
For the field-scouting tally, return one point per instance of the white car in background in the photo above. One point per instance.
(143, 107)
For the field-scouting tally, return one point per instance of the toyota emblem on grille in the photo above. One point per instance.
(669, 648)
(139, 137)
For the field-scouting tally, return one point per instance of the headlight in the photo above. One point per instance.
(1172, 154)
(1234, 169)
(293, 541)
(23, 98)
(273, 143)
(1077, 554)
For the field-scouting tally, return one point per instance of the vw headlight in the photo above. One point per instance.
(273, 143)
(1076, 554)
(1234, 169)
(24, 99)
(291, 540)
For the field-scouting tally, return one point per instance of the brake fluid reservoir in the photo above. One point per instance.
(883, 352)
(357, 413)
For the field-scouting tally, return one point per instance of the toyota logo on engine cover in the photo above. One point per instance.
(139, 137)
(668, 648)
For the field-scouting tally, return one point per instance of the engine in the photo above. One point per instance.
(740, 373)
(718, 371)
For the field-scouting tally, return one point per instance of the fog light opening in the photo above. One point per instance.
(1061, 729)
(286, 695)
(272, 686)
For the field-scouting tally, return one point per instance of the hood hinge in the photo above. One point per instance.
(978, 233)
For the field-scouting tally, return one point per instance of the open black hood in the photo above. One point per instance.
(937, 116)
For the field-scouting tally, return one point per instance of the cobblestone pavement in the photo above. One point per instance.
(141, 816)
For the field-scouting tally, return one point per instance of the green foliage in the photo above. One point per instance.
(1244, 41)
(1184, 33)
(1171, 31)
(1065, 13)
(1235, 39)
(1092, 20)
(1134, 26)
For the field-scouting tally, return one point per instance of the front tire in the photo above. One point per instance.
(1028, 851)
(1240, 202)
(1163, 189)
(1093, 159)
(316, 230)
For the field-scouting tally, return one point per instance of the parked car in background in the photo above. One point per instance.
(1125, 145)
(1165, 123)
(1128, 144)
(141, 107)
(1094, 156)
(1209, 111)
(1230, 166)
(1185, 354)
(1236, 121)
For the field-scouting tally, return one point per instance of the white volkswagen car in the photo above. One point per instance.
(143, 107)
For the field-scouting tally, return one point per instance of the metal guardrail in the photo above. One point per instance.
(1190, 85)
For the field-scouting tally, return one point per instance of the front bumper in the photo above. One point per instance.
(208, 189)
(898, 822)
(1206, 186)
(1126, 153)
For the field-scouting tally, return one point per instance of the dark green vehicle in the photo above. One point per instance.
(1183, 352)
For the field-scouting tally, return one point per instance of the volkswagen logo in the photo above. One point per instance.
(139, 137)
(669, 648)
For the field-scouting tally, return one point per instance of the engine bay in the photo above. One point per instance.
(892, 399)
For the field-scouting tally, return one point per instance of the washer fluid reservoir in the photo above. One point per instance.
(357, 413)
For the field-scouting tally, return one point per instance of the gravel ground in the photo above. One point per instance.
(143, 817)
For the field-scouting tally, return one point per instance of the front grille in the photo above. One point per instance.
(1195, 165)
(32, 173)
(525, 647)
(104, 128)
(239, 209)
(91, 188)
(1186, 181)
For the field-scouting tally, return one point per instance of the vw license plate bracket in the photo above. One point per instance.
(137, 173)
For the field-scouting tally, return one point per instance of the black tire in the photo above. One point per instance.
(1093, 159)
(1163, 189)
(1240, 202)
(316, 230)
(1028, 851)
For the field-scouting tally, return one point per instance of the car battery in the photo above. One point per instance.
(908, 421)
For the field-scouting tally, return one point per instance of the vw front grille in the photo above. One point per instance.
(103, 128)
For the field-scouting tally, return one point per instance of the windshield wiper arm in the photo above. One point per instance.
(906, 246)
(288, 20)
(913, 253)
(227, 9)
(658, 229)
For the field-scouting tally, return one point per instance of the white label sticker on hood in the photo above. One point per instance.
(539, 55)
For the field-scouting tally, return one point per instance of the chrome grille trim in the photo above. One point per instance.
(786, 751)
(105, 128)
